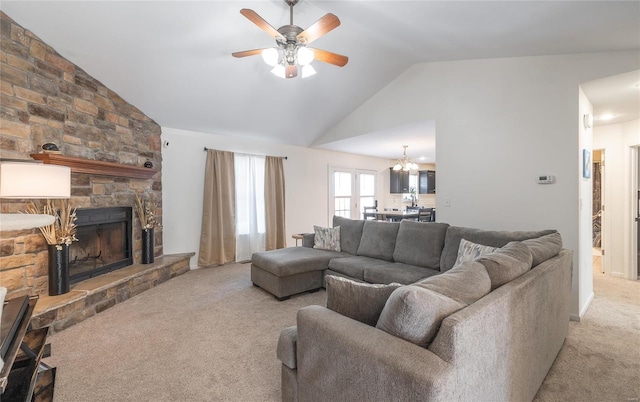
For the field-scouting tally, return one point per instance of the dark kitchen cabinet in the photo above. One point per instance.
(399, 181)
(427, 182)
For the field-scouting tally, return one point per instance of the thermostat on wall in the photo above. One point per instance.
(546, 179)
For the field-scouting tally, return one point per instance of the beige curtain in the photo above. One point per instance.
(274, 203)
(218, 235)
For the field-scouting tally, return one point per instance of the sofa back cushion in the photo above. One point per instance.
(350, 233)
(378, 239)
(507, 263)
(357, 300)
(420, 243)
(544, 247)
(494, 238)
(465, 283)
(414, 314)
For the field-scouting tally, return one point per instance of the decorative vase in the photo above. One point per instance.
(58, 269)
(147, 246)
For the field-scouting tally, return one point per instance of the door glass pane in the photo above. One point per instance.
(367, 185)
(367, 191)
(343, 206)
(342, 184)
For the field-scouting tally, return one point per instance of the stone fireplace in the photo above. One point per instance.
(109, 144)
(104, 242)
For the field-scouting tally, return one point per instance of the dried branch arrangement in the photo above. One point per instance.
(146, 211)
(63, 229)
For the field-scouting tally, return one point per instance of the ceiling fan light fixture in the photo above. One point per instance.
(292, 53)
(305, 56)
(278, 71)
(308, 71)
(270, 56)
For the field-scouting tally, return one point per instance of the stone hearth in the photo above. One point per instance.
(94, 295)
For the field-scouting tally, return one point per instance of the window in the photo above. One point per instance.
(250, 209)
(413, 184)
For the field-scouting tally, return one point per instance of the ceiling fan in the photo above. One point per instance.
(292, 44)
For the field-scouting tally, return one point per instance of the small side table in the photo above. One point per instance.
(297, 236)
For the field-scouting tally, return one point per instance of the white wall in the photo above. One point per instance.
(617, 141)
(306, 174)
(499, 124)
(585, 208)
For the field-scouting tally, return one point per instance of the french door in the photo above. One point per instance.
(350, 190)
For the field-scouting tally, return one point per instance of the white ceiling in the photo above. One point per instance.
(172, 59)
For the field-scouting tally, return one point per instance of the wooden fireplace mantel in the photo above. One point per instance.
(82, 165)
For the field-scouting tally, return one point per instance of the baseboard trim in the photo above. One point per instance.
(584, 309)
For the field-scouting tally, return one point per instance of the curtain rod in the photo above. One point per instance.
(244, 153)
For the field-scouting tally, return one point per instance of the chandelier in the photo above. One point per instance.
(405, 164)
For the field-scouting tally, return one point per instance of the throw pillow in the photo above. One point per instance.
(327, 238)
(469, 251)
(507, 263)
(360, 301)
(414, 314)
(545, 247)
(465, 283)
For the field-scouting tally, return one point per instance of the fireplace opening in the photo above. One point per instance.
(104, 242)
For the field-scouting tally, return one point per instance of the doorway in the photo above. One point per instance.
(636, 191)
(350, 191)
(598, 238)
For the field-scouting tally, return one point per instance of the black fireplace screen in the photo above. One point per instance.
(104, 242)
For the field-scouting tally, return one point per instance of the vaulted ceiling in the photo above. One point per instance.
(172, 59)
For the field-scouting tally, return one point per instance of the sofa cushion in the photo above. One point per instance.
(360, 301)
(327, 238)
(469, 251)
(396, 272)
(353, 267)
(465, 283)
(414, 314)
(506, 263)
(378, 239)
(545, 247)
(287, 346)
(350, 233)
(294, 260)
(420, 243)
(487, 237)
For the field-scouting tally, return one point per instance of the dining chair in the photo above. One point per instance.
(369, 213)
(424, 214)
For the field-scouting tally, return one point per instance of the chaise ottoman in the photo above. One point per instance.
(289, 271)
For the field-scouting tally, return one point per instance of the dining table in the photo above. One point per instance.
(396, 216)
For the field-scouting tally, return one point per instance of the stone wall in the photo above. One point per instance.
(46, 98)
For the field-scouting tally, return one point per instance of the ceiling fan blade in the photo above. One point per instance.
(319, 28)
(291, 71)
(330, 57)
(260, 22)
(246, 53)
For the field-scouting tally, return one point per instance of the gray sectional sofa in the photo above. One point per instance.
(412, 322)
(373, 252)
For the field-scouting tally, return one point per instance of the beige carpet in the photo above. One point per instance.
(600, 359)
(209, 335)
